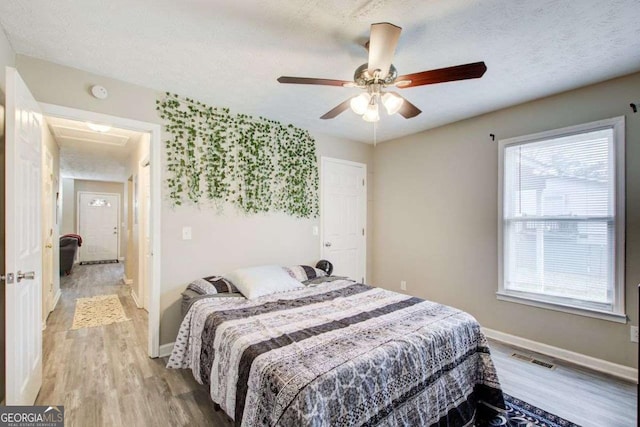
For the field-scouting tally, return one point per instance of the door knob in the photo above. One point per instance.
(48, 245)
(29, 275)
(328, 244)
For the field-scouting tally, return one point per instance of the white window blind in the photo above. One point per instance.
(559, 220)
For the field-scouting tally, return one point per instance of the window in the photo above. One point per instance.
(99, 203)
(562, 219)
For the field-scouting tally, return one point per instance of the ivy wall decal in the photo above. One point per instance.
(256, 164)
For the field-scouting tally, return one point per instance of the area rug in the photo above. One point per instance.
(104, 261)
(97, 311)
(523, 414)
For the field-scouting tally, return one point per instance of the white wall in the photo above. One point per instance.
(220, 242)
(7, 58)
(436, 216)
(68, 223)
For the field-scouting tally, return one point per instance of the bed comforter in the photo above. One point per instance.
(339, 354)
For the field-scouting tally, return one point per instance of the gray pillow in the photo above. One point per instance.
(212, 285)
(189, 297)
(304, 272)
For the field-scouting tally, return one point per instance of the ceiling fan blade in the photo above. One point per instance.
(441, 75)
(408, 110)
(336, 110)
(312, 81)
(382, 46)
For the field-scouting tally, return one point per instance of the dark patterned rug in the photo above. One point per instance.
(106, 261)
(523, 414)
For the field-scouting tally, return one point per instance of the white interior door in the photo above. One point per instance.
(344, 213)
(98, 219)
(47, 234)
(23, 258)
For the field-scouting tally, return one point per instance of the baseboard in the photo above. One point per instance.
(127, 281)
(56, 298)
(625, 372)
(135, 298)
(165, 349)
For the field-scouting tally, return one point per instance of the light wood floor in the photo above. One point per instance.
(103, 376)
(587, 398)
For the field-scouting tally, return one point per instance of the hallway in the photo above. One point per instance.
(103, 376)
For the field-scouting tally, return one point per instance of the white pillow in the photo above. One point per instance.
(255, 282)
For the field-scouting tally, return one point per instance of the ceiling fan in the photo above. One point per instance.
(379, 73)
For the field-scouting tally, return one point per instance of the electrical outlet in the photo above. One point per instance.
(403, 285)
(634, 334)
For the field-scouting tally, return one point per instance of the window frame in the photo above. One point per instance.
(617, 313)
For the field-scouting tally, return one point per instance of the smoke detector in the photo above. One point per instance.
(99, 92)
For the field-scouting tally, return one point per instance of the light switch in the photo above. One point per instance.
(315, 230)
(186, 233)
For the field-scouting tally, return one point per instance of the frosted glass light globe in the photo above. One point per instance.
(360, 102)
(392, 102)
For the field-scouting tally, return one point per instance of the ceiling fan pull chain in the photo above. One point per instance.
(375, 136)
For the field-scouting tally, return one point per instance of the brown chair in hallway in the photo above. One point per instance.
(68, 248)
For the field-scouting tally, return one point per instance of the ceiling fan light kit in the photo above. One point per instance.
(371, 114)
(379, 73)
(367, 103)
(392, 102)
(359, 103)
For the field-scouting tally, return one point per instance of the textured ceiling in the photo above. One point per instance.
(230, 53)
(87, 154)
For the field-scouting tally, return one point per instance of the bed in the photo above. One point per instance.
(339, 353)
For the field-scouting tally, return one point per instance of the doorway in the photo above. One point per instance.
(98, 224)
(23, 258)
(152, 133)
(343, 215)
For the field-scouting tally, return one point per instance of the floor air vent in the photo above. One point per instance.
(543, 364)
(529, 359)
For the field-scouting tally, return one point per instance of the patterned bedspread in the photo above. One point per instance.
(340, 354)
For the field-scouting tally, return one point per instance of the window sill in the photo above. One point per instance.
(612, 317)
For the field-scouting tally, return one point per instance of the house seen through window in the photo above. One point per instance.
(562, 218)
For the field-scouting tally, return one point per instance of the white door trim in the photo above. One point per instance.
(142, 244)
(55, 269)
(323, 161)
(155, 148)
(78, 206)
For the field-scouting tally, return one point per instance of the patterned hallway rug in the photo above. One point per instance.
(97, 311)
(523, 414)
